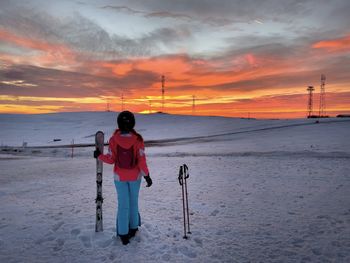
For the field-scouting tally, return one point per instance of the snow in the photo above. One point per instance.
(42, 129)
(259, 191)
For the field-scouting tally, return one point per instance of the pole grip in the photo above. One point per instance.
(180, 178)
(186, 174)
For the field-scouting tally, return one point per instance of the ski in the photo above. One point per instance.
(99, 143)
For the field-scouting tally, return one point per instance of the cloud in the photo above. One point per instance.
(79, 54)
(45, 53)
(166, 14)
(232, 10)
(334, 45)
(84, 36)
(209, 20)
(160, 14)
(19, 83)
(123, 9)
(58, 83)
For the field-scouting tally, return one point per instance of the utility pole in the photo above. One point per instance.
(193, 104)
(122, 98)
(163, 91)
(108, 106)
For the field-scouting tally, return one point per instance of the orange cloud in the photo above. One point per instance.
(184, 71)
(51, 54)
(234, 85)
(336, 45)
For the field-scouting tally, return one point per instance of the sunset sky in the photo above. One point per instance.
(238, 58)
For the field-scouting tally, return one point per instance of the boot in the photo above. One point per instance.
(124, 239)
(132, 232)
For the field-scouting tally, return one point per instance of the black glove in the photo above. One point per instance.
(97, 153)
(148, 180)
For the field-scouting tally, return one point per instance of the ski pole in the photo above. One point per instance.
(186, 176)
(181, 182)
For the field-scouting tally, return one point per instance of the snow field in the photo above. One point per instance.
(242, 209)
(275, 195)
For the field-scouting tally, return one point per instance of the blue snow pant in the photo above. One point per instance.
(128, 206)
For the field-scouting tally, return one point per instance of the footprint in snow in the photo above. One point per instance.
(47, 238)
(339, 186)
(166, 257)
(316, 251)
(59, 245)
(57, 226)
(104, 243)
(75, 232)
(187, 252)
(336, 244)
(148, 226)
(86, 241)
(214, 213)
(297, 242)
(198, 242)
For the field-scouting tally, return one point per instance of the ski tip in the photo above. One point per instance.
(99, 132)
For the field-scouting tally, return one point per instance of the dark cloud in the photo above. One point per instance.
(234, 10)
(123, 9)
(59, 83)
(166, 14)
(213, 21)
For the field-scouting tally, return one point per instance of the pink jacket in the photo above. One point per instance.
(126, 141)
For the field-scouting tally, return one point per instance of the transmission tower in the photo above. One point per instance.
(193, 104)
(163, 91)
(310, 89)
(322, 110)
(122, 98)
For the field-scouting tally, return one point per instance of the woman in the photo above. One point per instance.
(127, 152)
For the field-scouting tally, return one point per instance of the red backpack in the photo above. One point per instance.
(126, 158)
